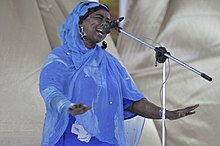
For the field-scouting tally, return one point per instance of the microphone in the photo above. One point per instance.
(113, 24)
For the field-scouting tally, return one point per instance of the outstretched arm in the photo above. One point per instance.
(147, 109)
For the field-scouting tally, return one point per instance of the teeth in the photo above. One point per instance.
(99, 30)
(100, 33)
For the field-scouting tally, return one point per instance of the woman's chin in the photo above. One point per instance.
(100, 37)
(100, 40)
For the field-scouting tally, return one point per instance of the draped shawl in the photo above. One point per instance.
(72, 62)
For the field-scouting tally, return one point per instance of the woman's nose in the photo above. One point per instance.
(103, 23)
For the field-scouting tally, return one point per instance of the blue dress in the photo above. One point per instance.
(70, 139)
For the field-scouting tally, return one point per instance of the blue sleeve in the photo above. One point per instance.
(129, 88)
(52, 88)
(53, 81)
(126, 104)
(53, 73)
(130, 94)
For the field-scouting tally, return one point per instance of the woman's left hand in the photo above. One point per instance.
(176, 114)
(78, 109)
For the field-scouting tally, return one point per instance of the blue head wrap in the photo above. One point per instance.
(74, 73)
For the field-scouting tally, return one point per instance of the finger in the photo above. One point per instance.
(87, 108)
(81, 105)
(76, 105)
(183, 112)
(84, 109)
(79, 109)
(186, 114)
(192, 107)
(190, 113)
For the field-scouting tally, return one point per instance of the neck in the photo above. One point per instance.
(89, 44)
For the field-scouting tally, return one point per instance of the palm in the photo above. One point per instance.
(78, 108)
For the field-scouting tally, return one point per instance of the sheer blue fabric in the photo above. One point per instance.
(104, 84)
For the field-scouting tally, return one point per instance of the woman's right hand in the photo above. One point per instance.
(78, 109)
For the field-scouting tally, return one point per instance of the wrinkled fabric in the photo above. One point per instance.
(98, 72)
(190, 30)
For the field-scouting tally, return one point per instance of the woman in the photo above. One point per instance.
(87, 92)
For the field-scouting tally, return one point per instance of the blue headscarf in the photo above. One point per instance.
(74, 73)
(70, 32)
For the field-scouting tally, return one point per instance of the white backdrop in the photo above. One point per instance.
(190, 30)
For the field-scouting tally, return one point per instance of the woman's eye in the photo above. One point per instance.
(99, 18)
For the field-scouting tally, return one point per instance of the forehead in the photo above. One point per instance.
(101, 12)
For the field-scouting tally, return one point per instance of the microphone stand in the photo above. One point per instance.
(161, 56)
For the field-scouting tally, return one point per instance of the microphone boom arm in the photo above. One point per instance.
(164, 53)
(161, 56)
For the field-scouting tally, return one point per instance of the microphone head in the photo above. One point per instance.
(106, 28)
(113, 24)
(121, 18)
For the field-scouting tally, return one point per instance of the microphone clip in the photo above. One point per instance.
(160, 57)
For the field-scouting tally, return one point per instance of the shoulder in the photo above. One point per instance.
(115, 62)
(110, 56)
(58, 55)
(62, 52)
(114, 59)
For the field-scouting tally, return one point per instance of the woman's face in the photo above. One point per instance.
(93, 27)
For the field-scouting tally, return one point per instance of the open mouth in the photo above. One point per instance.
(100, 31)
